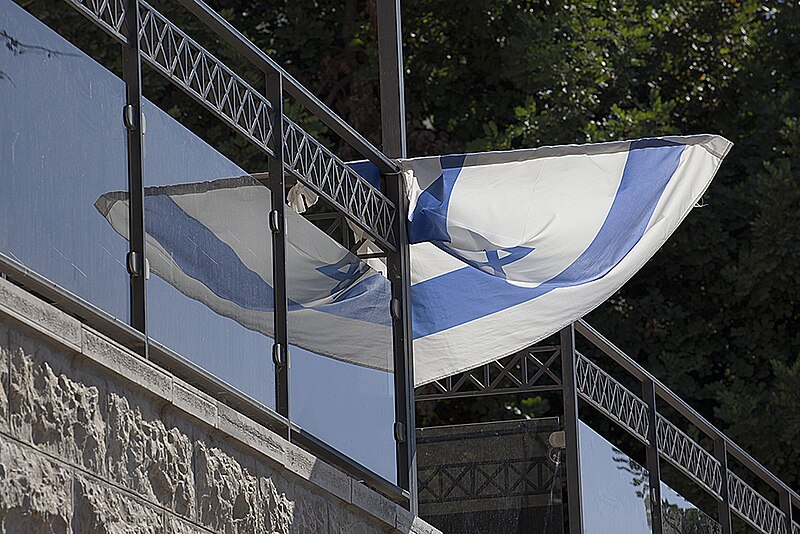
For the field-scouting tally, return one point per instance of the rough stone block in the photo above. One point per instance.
(404, 520)
(251, 433)
(32, 311)
(51, 410)
(194, 402)
(418, 526)
(148, 458)
(100, 509)
(5, 355)
(35, 493)
(345, 521)
(280, 510)
(126, 364)
(228, 497)
(175, 525)
(310, 513)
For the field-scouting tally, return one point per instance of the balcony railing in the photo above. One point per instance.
(114, 151)
(655, 417)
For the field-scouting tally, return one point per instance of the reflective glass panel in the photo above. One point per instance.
(341, 379)
(616, 494)
(491, 478)
(62, 146)
(680, 516)
(615, 488)
(209, 296)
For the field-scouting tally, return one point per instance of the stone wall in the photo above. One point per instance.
(94, 439)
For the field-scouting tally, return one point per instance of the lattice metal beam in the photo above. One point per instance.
(321, 170)
(688, 456)
(467, 481)
(754, 508)
(197, 72)
(109, 15)
(532, 370)
(611, 398)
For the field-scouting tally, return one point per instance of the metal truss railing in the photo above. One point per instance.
(317, 167)
(490, 479)
(754, 508)
(179, 58)
(622, 406)
(533, 369)
(637, 416)
(109, 15)
(197, 72)
(610, 397)
(688, 456)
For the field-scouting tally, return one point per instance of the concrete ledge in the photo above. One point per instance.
(126, 364)
(17, 303)
(194, 402)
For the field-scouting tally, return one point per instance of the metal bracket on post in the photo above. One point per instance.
(134, 123)
(277, 185)
(573, 454)
(653, 465)
(275, 222)
(400, 432)
(278, 355)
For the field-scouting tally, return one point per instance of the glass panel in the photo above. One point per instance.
(341, 380)
(680, 516)
(62, 146)
(616, 489)
(492, 478)
(210, 295)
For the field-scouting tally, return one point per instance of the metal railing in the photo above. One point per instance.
(708, 470)
(196, 71)
(536, 369)
(147, 36)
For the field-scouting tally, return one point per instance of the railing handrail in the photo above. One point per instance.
(312, 103)
(666, 394)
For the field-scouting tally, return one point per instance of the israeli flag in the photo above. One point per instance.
(510, 247)
(211, 241)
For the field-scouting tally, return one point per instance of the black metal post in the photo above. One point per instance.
(786, 508)
(132, 118)
(724, 504)
(393, 130)
(393, 106)
(573, 453)
(277, 220)
(653, 466)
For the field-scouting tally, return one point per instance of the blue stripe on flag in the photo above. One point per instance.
(366, 301)
(203, 256)
(368, 170)
(429, 220)
(200, 254)
(468, 294)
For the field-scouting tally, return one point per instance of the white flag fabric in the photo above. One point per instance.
(211, 241)
(510, 247)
